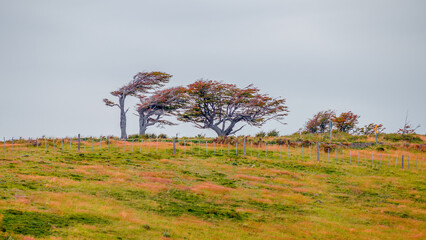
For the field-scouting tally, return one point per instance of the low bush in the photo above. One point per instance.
(260, 134)
(394, 137)
(273, 133)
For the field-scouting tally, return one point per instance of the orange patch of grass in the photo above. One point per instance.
(28, 238)
(284, 172)
(296, 198)
(157, 180)
(262, 200)
(130, 216)
(287, 182)
(161, 174)
(250, 178)
(152, 187)
(210, 187)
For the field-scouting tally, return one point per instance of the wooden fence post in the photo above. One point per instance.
(318, 158)
(288, 151)
(79, 142)
(273, 150)
(408, 162)
(387, 160)
(174, 146)
(244, 146)
(258, 150)
(357, 161)
(266, 149)
(402, 162)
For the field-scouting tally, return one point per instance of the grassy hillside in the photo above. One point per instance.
(131, 195)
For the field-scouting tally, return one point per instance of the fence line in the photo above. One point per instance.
(174, 146)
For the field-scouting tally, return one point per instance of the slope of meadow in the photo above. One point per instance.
(132, 195)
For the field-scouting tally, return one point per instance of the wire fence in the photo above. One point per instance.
(212, 147)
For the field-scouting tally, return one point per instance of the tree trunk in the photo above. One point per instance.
(218, 131)
(122, 118)
(142, 126)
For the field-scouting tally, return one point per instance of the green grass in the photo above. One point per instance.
(132, 195)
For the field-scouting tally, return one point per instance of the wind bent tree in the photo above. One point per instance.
(345, 121)
(319, 122)
(162, 103)
(220, 106)
(142, 82)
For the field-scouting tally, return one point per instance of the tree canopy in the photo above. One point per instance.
(162, 103)
(142, 82)
(219, 106)
(345, 121)
(319, 122)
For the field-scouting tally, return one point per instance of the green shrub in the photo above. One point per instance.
(394, 137)
(41, 224)
(162, 135)
(260, 134)
(273, 133)
(133, 136)
(200, 136)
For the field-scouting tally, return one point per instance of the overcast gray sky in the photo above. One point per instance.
(59, 59)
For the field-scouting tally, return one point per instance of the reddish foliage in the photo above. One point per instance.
(407, 129)
(141, 83)
(319, 122)
(221, 106)
(345, 121)
(161, 103)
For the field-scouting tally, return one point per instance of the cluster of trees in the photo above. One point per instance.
(344, 122)
(348, 122)
(207, 104)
